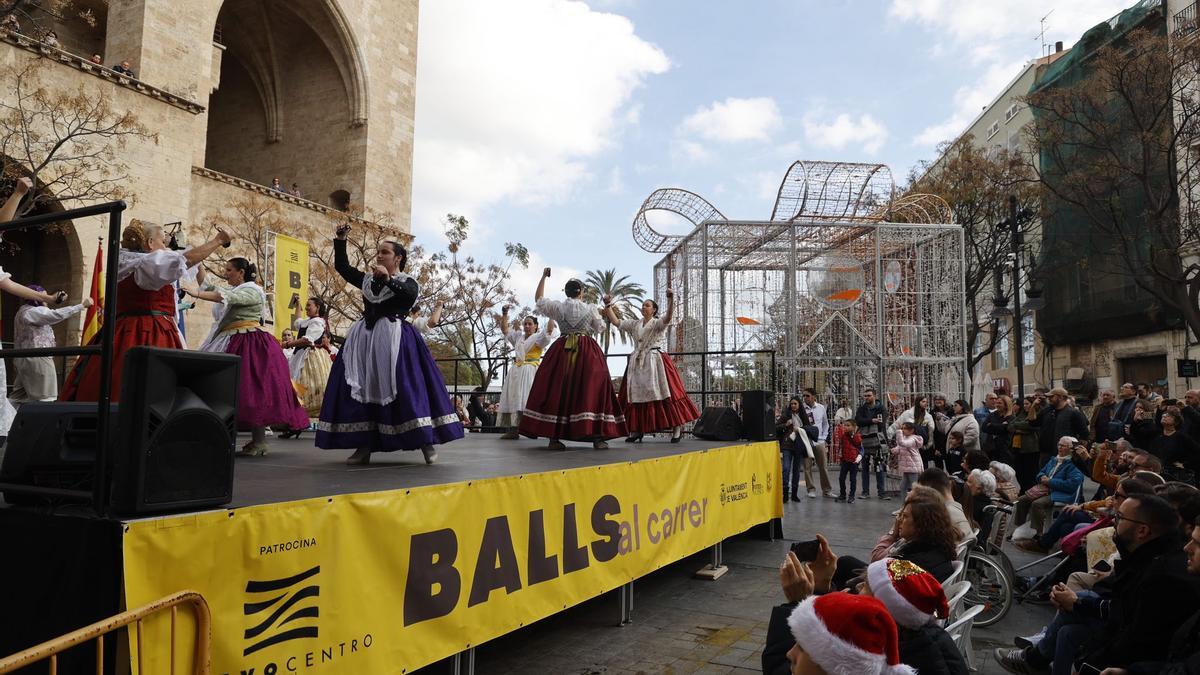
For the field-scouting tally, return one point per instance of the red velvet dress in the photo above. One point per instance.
(144, 319)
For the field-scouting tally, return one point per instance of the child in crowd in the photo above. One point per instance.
(848, 450)
(954, 451)
(907, 455)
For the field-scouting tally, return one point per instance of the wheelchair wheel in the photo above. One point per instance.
(991, 586)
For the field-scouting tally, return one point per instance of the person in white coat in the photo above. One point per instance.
(36, 378)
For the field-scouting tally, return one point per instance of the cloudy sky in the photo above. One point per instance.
(547, 122)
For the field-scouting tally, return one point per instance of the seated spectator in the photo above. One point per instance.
(1183, 655)
(981, 486)
(922, 534)
(916, 602)
(1006, 481)
(1075, 515)
(833, 634)
(295, 191)
(1130, 615)
(1117, 460)
(1058, 481)
(477, 410)
(97, 59)
(1086, 580)
(277, 185)
(125, 69)
(941, 481)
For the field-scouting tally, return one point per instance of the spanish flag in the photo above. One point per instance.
(95, 314)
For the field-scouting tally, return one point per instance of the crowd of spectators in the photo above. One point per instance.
(12, 24)
(1126, 589)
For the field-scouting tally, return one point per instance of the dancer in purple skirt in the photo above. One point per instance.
(265, 393)
(385, 391)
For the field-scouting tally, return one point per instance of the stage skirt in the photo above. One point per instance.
(140, 330)
(515, 392)
(572, 397)
(419, 414)
(651, 416)
(313, 373)
(265, 393)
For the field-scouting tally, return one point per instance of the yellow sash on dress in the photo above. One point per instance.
(532, 358)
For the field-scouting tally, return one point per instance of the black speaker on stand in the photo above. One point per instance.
(758, 415)
(175, 431)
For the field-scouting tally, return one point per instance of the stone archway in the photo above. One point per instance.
(291, 98)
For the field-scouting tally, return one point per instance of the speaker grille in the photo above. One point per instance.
(183, 462)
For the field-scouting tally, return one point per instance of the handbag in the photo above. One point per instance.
(813, 432)
(1038, 491)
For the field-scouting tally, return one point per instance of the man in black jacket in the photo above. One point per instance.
(1057, 420)
(872, 419)
(1128, 616)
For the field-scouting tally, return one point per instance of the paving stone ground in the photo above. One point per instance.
(687, 625)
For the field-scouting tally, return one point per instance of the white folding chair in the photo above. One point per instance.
(959, 572)
(955, 594)
(960, 632)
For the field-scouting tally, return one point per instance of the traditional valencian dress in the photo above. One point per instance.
(652, 390)
(385, 391)
(310, 366)
(572, 397)
(527, 354)
(36, 379)
(7, 412)
(145, 318)
(265, 393)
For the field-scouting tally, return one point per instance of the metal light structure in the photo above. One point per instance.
(848, 283)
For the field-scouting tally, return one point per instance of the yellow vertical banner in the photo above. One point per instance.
(291, 281)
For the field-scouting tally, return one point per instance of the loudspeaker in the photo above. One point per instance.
(718, 424)
(52, 445)
(178, 430)
(758, 415)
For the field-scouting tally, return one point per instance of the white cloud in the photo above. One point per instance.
(524, 281)
(515, 99)
(615, 184)
(734, 120)
(836, 132)
(999, 41)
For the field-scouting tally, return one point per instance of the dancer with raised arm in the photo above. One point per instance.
(36, 378)
(385, 391)
(652, 391)
(309, 364)
(527, 344)
(572, 396)
(424, 324)
(146, 273)
(265, 393)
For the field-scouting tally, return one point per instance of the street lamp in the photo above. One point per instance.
(1033, 296)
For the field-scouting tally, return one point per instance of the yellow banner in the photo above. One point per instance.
(385, 581)
(291, 281)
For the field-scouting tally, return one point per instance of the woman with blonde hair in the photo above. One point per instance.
(146, 273)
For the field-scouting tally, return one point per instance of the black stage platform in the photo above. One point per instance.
(294, 469)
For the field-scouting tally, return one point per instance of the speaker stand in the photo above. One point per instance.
(715, 569)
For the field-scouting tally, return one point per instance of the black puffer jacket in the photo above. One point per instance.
(931, 651)
(779, 641)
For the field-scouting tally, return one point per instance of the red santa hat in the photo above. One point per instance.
(912, 595)
(848, 634)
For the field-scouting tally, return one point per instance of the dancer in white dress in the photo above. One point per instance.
(527, 344)
(309, 363)
(424, 324)
(36, 378)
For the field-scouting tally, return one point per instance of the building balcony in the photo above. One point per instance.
(1183, 24)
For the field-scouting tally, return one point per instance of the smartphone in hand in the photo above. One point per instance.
(807, 551)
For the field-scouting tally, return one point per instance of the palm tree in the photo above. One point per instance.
(627, 297)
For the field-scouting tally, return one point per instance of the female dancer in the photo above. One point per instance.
(572, 396)
(652, 390)
(527, 345)
(385, 391)
(309, 365)
(36, 378)
(146, 272)
(424, 324)
(265, 392)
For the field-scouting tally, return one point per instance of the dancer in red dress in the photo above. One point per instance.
(652, 390)
(146, 272)
(572, 396)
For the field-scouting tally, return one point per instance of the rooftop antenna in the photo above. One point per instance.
(1041, 36)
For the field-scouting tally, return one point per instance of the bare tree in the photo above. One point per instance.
(1110, 157)
(977, 184)
(68, 141)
